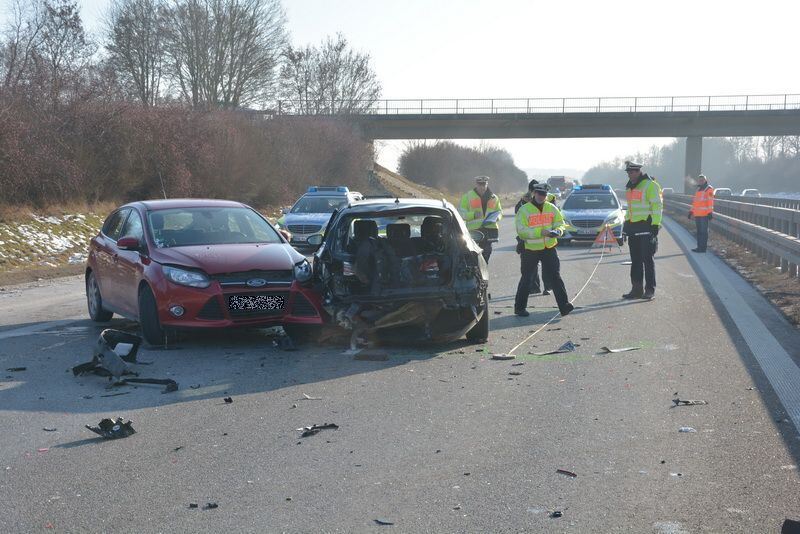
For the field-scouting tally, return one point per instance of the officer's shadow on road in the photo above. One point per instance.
(539, 316)
(207, 365)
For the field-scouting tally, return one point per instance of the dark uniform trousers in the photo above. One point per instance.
(551, 275)
(702, 232)
(643, 268)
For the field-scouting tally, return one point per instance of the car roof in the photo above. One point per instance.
(152, 205)
(387, 204)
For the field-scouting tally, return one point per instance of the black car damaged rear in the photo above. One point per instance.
(403, 270)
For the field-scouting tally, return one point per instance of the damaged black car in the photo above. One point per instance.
(402, 270)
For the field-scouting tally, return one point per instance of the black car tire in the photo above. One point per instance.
(94, 301)
(152, 331)
(480, 332)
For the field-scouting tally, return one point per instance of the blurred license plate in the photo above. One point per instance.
(587, 231)
(299, 239)
(256, 302)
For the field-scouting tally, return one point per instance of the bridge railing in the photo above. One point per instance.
(772, 233)
(459, 106)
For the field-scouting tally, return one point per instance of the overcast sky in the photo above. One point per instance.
(531, 48)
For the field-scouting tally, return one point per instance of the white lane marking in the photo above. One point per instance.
(38, 327)
(779, 368)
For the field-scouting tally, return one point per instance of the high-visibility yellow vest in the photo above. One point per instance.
(471, 210)
(644, 201)
(533, 225)
(703, 202)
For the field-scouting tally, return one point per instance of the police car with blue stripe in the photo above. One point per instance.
(588, 210)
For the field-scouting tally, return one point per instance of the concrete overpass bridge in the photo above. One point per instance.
(692, 117)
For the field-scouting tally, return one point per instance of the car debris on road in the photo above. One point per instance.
(315, 429)
(113, 429)
(679, 402)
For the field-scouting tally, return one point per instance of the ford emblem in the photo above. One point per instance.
(256, 282)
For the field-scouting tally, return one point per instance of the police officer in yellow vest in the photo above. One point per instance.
(539, 225)
(528, 197)
(481, 210)
(702, 211)
(642, 222)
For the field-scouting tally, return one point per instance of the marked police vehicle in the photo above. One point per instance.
(590, 208)
(311, 213)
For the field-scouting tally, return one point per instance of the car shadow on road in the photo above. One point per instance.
(206, 365)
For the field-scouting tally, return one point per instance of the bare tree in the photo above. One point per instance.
(770, 145)
(63, 52)
(225, 53)
(331, 79)
(20, 39)
(135, 35)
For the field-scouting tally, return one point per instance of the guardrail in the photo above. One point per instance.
(778, 202)
(615, 104)
(772, 233)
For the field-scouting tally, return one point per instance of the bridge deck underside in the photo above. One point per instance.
(576, 125)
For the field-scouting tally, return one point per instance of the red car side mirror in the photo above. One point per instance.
(128, 243)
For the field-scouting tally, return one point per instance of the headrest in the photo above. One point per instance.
(432, 226)
(398, 231)
(365, 228)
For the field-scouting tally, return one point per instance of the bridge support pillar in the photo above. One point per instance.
(694, 163)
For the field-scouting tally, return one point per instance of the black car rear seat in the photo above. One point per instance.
(398, 236)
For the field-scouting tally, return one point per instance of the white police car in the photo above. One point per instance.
(311, 213)
(588, 210)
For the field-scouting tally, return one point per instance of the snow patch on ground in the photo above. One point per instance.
(47, 240)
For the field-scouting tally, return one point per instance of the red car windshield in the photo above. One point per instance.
(183, 227)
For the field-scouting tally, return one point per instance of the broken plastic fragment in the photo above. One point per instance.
(556, 513)
(315, 429)
(503, 356)
(679, 402)
(569, 346)
(686, 429)
(383, 522)
(16, 369)
(606, 350)
(228, 400)
(210, 506)
(49, 429)
(192, 505)
(113, 429)
(567, 473)
(515, 373)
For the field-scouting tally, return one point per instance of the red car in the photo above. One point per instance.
(197, 264)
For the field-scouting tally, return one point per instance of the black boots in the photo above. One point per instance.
(522, 313)
(566, 309)
(649, 294)
(636, 292)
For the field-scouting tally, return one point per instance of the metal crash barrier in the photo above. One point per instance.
(769, 232)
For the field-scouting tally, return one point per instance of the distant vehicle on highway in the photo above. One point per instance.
(723, 192)
(588, 209)
(562, 184)
(750, 193)
(424, 279)
(196, 264)
(311, 213)
(668, 191)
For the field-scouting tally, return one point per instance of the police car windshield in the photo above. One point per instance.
(318, 204)
(592, 201)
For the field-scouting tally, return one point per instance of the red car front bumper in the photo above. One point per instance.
(212, 307)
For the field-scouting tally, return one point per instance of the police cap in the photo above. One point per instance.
(633, 166)
(540, 188)
(481, 179)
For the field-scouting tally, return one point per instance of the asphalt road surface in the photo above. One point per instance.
(434, 439)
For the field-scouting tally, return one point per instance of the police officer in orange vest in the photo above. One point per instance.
(539, 225)
(702, 211)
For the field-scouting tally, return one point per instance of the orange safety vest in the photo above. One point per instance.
(703, 202)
